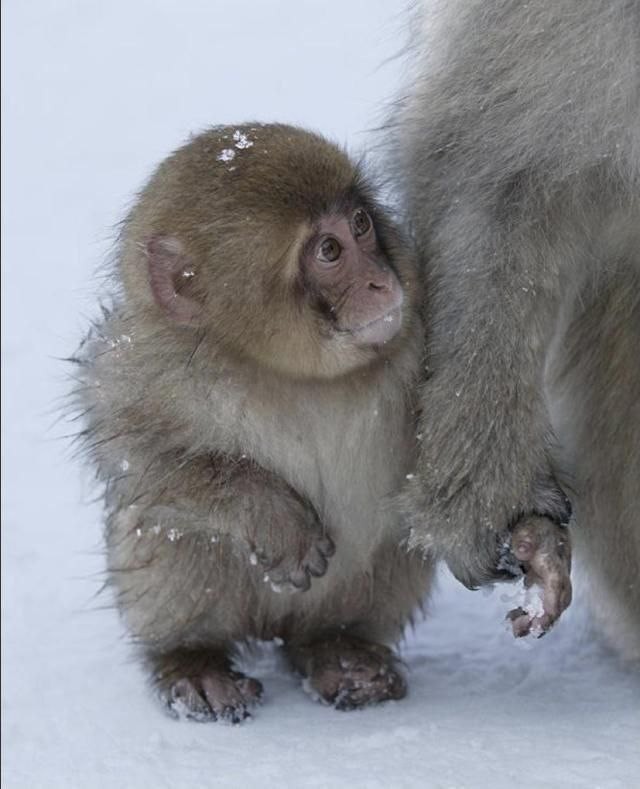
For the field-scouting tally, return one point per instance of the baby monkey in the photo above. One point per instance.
(249, 407)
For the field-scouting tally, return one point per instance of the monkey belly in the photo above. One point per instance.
(177, 588)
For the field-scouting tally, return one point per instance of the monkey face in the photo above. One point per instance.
(350, 280)
(282, 257)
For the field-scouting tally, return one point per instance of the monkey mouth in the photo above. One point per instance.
(379, 330)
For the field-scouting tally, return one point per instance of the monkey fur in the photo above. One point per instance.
(250, 426)
(516, 156)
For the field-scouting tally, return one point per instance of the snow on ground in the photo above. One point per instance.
(93, 95)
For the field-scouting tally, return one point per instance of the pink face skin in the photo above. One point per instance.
(346, 265)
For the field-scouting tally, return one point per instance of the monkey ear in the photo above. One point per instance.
(168, 267)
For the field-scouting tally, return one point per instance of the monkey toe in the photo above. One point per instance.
(215, 697)
(230, 696)
(185, 701)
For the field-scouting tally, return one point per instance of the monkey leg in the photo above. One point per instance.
(201, 685)
(186, 600)
(342, 651)
(189, 560)
(595, 390)
(348, 672)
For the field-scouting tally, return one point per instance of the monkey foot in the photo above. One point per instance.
(348, 673)
(202, 687)
(544, 551)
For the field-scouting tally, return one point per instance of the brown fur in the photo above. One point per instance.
(246, 442)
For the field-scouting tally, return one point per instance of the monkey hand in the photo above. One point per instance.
(465, 528)
(537, 548)
(543, 551)
(292, 572)
(292, 559)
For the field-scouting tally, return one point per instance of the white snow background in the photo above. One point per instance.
(94, 95)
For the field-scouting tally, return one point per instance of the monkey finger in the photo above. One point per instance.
(326, 546)
(283, 579)
(524, 624)
(540, 625)
(316, 564)
(557, 599)
(553, 574)
(300, 580)
(520, 622)
(556, 596)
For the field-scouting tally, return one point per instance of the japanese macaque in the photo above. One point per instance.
(249, 407)
(516, 155)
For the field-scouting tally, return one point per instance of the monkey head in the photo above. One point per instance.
(267, 240)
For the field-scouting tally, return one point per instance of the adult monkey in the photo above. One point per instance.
(516, 152)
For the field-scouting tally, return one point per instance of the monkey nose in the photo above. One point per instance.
(381, 277)
(385, 286)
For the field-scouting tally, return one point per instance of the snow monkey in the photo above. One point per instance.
(249, 408)
(516, 153)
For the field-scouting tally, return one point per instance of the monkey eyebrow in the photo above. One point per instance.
(341, 208)
(351, 200)
(352, 197)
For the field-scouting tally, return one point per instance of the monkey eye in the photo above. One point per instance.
(329, 250)
(360, 222)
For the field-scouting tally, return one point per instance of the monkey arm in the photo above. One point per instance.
(216, 498)
(486, 440)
